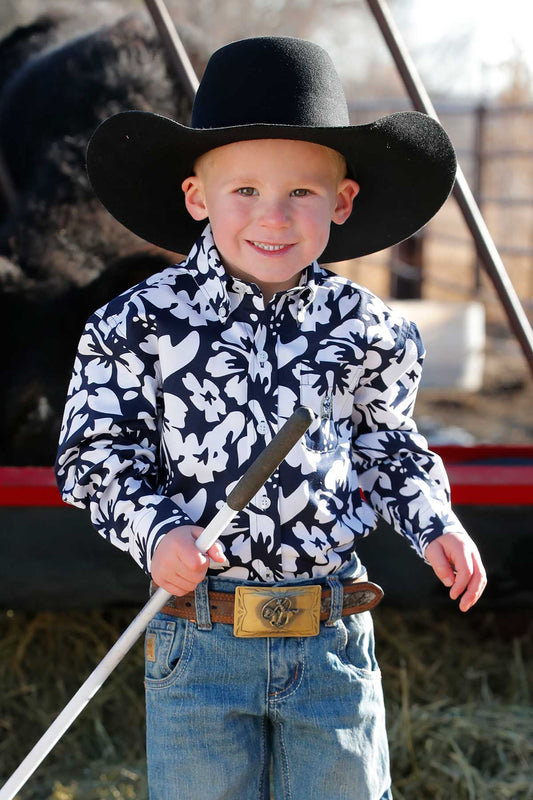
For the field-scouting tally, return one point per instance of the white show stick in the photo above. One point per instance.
(250, 483)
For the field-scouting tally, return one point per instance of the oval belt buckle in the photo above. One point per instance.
(278, 611)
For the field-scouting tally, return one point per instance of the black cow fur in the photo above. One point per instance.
(61, 254)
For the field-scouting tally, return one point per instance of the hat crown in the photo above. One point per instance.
(270, 80)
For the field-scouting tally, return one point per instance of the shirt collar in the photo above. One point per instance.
(205, 266)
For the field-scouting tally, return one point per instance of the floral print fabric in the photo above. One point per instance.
(181, 382)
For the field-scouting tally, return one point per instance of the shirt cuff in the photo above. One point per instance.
(451, 524)
(160, 516)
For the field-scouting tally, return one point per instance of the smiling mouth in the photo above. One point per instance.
(270, 248)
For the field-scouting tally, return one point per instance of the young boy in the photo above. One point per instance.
(182, 381)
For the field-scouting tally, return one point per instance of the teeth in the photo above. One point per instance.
(269, 247)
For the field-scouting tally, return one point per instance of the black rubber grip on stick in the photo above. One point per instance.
(271, 457)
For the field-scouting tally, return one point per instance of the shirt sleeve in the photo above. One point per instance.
(108, 453)
(402, 479)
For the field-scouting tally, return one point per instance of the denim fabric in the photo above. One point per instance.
(221, 710)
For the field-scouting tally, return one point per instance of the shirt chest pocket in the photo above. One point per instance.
(327, 389)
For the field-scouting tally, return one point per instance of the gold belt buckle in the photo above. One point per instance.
(277, 611)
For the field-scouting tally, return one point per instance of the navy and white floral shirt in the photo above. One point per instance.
(181, 381)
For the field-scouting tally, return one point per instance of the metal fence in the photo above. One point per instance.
(495, 149)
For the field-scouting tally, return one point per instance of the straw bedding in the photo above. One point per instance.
(458, 691)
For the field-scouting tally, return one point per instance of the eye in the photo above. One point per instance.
(300, 192)
(247, 191)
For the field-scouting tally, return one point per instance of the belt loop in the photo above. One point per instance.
(201, 599)
(337, 597)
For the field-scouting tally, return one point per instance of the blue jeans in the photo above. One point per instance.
(226, 715)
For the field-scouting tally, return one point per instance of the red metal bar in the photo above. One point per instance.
(503, 454)
(481, 485)
(488, 475)
(29, 486)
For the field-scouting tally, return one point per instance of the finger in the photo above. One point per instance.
(190, 558)
(185, 580)
(177, 586)
(464, 571)
(474, 590)
(216, 553)
(179, 590)
(438, 561)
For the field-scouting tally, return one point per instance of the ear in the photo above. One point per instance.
(195, 202)
(347, 191)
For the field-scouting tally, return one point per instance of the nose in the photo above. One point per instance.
(274, 213)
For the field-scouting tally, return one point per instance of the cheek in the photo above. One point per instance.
(227, 230)
(318, 224)
(229, 216)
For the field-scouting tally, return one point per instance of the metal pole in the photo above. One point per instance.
(479, 163)
(173, 46)
(239, 497)
(476, 224)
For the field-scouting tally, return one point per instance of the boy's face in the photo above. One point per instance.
(270, 203)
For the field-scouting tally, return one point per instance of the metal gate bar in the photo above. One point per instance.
(485, 246)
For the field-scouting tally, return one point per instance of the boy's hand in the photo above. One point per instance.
(177, 565)
(456, 562)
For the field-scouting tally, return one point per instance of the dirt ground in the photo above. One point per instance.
(501, 412)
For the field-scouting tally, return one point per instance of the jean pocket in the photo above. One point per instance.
(168, 644)
(355, 645)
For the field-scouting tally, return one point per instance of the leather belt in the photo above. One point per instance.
(359, 595)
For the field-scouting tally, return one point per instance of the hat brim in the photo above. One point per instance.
(404, 163)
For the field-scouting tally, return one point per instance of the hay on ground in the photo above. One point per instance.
(457, 688)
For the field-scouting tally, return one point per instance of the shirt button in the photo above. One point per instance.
(262, 427)
(262, 357)
(269, 574)
(264, 503)
(222, 313)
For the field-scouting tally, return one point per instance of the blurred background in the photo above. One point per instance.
(63, 69)
(458, 689)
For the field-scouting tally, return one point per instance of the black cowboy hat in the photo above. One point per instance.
(273, 88)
